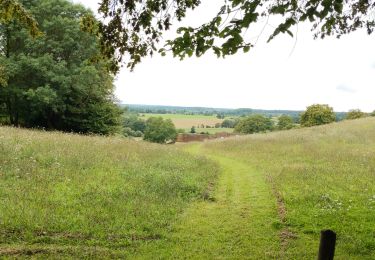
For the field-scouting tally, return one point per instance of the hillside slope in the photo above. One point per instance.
(73, 196)
(70, 195)
(321, 177)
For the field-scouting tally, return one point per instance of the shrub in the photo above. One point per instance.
(228, 123)
(317, 114)
(254, 124)
(355, 114)
(285, 122)
(159, 130)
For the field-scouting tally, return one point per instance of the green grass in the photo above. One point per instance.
(76, 196)
(69, 196)
(324, 177)
(236, 222)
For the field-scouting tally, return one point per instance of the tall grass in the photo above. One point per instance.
(326, 178)
(70, 190)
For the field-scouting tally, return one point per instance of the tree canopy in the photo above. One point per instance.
(13, 9)
(285, 122)
(317, 114)
(54, 81)
(159, 130)
(254, 124)
(355, 114)
(134, 27)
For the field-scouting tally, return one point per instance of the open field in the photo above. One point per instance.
(73, 196)
(187, 121)
(323, 177)
(77, 196)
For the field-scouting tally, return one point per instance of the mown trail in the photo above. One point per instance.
(240, 221)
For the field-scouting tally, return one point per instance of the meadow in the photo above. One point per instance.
(261, 196)
(321, 177)
(81, 196)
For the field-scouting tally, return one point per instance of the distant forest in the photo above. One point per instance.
(156, 109)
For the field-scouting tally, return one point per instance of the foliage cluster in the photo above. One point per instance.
(285, 122)
(55, 81)
(135, 27)
(254, 124)
(14, 10)
(159, 130)
(133, 125)
(355, 114)
(317, 114)
(229, 123)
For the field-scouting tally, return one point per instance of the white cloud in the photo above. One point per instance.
(345, 88)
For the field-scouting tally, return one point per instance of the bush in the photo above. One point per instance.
(181, 131)
(317, 114)
(133, 125)
(254, 124)
(285, 122)
(130, 132)
(159, 130)
(228, 123)
(355, 114)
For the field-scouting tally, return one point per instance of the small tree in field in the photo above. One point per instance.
(285, 122)
(355, 114)
(254, 124)
(159, 130)
(228, 123)
(192, 130)
(317, 114)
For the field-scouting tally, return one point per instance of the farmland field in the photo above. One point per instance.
(262, 196)
(187, 121)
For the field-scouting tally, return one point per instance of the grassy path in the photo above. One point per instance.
(238, 222)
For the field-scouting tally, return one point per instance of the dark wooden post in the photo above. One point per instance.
(327, 245)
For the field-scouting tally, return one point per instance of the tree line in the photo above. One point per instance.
(317, 114)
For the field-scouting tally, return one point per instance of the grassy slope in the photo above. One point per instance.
(275, 193)
(91, 196)
(235, 223)
(325, 178)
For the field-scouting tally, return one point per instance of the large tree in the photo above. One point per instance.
(159, 130)
(56, 80)
(317, 114)
(134, 27)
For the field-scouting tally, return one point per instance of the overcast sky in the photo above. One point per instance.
(287, 73)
